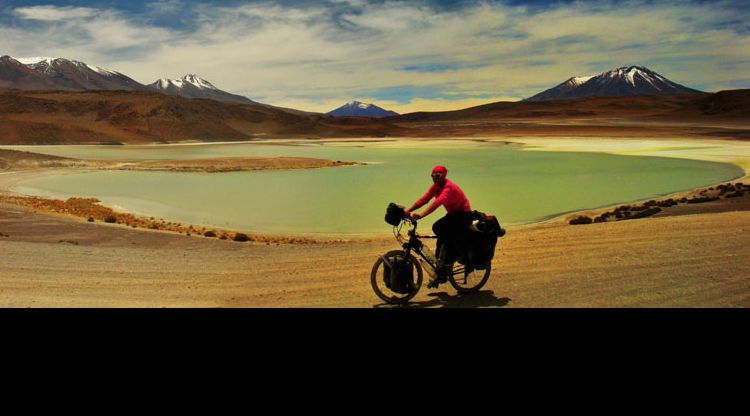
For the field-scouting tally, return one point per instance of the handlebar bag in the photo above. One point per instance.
(394, 214)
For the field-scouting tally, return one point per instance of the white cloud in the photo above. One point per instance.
(99, 37)
(165, 6)
(53, 13)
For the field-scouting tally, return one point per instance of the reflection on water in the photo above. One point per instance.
(518, 186)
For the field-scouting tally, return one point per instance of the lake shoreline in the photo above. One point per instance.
(86, 209)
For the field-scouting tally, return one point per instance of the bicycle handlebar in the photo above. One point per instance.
(412, 232)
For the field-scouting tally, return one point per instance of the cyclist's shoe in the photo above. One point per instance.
(437, 279)
(443, 272)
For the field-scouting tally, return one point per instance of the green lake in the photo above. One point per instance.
(518, 186)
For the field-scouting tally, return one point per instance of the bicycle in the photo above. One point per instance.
(464, 277)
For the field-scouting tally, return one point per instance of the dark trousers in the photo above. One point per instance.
(452, 231)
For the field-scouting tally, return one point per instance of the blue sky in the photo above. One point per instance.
(402, 55)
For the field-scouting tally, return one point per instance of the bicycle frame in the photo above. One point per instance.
(415, 244)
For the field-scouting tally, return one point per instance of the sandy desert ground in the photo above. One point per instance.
(697, 260)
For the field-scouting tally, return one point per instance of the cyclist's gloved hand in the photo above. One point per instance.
(415, 216)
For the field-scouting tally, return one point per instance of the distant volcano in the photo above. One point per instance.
(359, 109)
(193, 86)
(41, 73)
(625, 81)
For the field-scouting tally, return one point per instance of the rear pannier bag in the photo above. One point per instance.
(483, 239)
(399, 276)
(481, 249)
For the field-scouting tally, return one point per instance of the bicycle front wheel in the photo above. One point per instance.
(469, 282)
(383, 288)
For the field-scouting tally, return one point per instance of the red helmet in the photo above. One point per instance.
(440, 169)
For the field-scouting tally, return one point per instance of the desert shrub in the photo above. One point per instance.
(683, 199)
(241, 237)
(640, 208)
(645, 213)
(600, 219)
(699, 200)
(735, 194)
(209, 234)
(223, 237)
(724, 189)
(110, 219)
(668, 203)
(581, 220)
(91, 219)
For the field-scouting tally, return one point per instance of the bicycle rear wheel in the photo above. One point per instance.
(377, 279)
(469, 282)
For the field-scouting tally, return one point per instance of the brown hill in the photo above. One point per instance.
(725, 105)
(113, 117)
(724, 114)
(733, 103)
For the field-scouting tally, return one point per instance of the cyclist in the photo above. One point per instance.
(452, 228)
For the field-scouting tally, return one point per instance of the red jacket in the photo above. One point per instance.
(450, 196)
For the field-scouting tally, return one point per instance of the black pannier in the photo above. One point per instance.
(399, 276)
(483, 239)
(394, 214)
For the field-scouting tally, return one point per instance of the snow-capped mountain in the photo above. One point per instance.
(360, 109)
(40, 73)
(43, 73)
(624, 81)
(560, 91)
(193, 86)
(14, 74)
